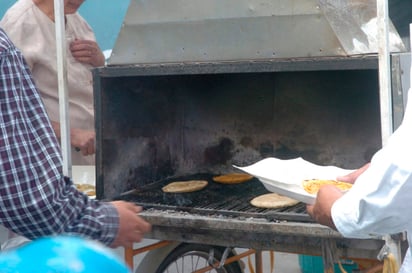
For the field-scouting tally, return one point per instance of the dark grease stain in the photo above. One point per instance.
(220, 153)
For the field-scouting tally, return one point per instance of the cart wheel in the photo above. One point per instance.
(187, 258)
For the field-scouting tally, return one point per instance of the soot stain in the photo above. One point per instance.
(220, 153)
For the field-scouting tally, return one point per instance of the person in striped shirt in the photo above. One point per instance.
(36, 199)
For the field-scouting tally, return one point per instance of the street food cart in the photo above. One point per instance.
(195, 87)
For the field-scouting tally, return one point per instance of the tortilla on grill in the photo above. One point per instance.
(185, 186)
(273, 201)
(312, 186)
(232, 178)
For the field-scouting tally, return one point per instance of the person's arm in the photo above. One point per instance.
(351, 177)
(88, 52)
(36, 199)
(377, 202)
(83, 140)
(321, 211)
(131, 226)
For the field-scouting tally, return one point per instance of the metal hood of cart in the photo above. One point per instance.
(158, 31)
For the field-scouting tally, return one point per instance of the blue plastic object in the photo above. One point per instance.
(314, 264)
(61, 254)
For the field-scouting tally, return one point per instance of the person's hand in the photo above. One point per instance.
(351, 177)
(321, 210)
(83, 141)
(131, 226)
(88, 52)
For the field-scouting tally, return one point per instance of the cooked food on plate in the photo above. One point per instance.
(312, 186)
(232, 178)
(185, 186)
(88, 189)
(273, 201)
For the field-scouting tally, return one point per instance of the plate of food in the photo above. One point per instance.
(296, 178)
(84, 178)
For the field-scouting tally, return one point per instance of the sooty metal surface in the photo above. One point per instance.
(230, 200)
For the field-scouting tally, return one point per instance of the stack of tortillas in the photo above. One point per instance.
(185, 186)
(273, 201)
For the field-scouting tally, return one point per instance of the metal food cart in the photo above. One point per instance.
(193, 87)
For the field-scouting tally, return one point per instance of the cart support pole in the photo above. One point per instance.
(62, 85)
(385, 93)
(259, 261)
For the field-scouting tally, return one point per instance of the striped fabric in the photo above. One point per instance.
(35, 199)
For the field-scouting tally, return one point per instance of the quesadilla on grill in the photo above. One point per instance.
(232, 178)
(185, 186)
(273, 201)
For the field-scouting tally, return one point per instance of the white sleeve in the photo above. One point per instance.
(380, 201)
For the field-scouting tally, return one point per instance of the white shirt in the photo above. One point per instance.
(379, 203)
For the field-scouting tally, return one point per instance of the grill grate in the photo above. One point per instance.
(229, 200)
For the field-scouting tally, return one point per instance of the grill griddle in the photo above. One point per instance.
(230, 200)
